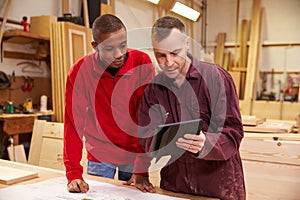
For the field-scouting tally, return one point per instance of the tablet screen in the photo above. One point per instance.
(166, 135)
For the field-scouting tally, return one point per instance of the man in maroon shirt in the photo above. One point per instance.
(188, 89)
(103, 93)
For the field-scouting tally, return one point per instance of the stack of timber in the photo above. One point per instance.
(259, 125)
(271, 163)
(271, 158)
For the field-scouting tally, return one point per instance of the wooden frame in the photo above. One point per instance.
(46, 148)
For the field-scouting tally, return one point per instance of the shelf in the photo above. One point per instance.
(21, 37)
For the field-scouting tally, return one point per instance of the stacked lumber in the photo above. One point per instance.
(69, 42)
(271, 165)
(261, 125)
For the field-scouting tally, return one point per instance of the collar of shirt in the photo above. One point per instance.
(193, 72)
(100, 68)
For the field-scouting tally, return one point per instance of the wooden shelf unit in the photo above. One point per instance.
(18, 36)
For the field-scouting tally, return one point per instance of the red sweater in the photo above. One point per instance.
(102, 109)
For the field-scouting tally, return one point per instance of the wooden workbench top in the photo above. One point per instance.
(15, 115)
(46, 173)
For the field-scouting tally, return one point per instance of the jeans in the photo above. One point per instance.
(108, 170)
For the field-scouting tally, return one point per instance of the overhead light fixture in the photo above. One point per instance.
(154, 1)
(185, 11)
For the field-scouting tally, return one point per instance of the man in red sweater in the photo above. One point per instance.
(103, 93)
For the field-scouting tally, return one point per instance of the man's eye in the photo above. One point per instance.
(160, 55)
(108, 49)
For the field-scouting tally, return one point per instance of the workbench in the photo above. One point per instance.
(46, 174)
(271, 163)
(16, 124)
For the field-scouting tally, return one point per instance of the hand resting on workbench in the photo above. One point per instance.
(78, 185)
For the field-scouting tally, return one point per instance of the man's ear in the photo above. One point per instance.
(187, 43)
(94, 45)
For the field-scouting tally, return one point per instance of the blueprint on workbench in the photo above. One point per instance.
(56, 189)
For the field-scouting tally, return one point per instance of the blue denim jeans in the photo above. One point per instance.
(108, 170)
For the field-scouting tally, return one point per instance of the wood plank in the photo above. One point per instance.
(250, 120)
(2, 29)
(265, 180)
(85, 14)
(236, 76)
(243, 56)
(219, 52)
(47, 135)
(253, 54)
(243, 42)
(19, 55)
(36, 142)
(17, 153)
(10, 175)
(236, 58)
(272, 136)
(271, 127)
(65, 7)
(282, 152)
(106, 9)
(52, 159)
(21, 37)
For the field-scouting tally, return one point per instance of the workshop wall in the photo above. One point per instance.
(281, 26)
(23, 87)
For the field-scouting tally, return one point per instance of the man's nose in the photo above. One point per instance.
(118, 53)
(169, 60)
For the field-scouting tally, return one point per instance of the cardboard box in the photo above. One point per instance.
(41, 24)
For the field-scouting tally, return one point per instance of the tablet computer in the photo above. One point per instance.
(166, 135)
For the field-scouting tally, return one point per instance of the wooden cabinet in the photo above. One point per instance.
(69, 42)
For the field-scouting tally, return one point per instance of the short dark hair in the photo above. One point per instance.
(106, 23)
(163, 26)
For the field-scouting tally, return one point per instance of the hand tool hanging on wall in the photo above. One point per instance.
(28, 84)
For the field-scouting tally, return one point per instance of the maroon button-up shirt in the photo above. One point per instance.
(207, 93)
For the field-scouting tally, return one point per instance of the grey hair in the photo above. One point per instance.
(163, 26)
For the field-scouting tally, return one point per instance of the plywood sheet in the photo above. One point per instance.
(17, 153)
(10, 175)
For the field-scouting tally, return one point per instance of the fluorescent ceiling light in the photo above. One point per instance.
(185, 11)
(154, 1)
